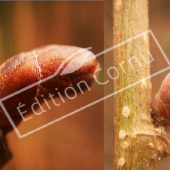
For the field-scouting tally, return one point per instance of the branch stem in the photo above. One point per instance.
(138, 144)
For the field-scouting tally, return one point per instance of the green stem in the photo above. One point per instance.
(138, 144)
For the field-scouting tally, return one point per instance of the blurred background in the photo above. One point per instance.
(159, 16)
(75, 143)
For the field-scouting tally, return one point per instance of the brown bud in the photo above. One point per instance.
(161, 103)
(66, 64)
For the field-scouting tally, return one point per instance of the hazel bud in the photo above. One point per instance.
(161, 104)
(67, 65)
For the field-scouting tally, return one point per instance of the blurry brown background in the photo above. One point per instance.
(75, 143)
(159, 17)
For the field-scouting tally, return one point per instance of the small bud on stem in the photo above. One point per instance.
(161, 104)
